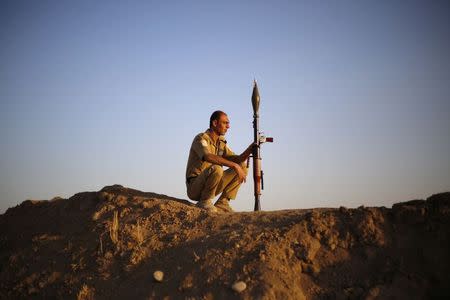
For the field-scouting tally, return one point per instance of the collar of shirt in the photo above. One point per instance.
(207, 137)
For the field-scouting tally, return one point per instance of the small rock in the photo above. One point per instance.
(158, 276)
(239, 286)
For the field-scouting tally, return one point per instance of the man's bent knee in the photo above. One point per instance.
(216, 170)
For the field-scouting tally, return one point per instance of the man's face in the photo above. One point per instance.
(221, 126)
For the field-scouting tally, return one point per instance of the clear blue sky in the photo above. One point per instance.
(355, 93)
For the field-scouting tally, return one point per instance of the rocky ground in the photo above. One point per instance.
(121, 243)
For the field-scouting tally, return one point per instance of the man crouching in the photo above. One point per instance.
(205, 177)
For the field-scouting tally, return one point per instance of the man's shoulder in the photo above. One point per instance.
(204, 135)
(201, 135)
(201, 139)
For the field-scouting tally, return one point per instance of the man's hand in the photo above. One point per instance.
(241, 174)
(248, 151)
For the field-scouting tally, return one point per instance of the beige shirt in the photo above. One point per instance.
(201, 145)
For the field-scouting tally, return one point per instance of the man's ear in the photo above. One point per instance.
(214, 123)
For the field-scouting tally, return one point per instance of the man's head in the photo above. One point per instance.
(219, 123)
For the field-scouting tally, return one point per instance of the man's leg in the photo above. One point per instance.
(203, 187)
(229, 186)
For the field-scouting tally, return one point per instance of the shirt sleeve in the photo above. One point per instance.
(200, 146)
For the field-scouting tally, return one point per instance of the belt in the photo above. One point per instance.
(188, 180)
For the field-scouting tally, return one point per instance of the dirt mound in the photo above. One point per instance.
(109, 244)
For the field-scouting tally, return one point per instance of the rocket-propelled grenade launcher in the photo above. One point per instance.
(258, 175)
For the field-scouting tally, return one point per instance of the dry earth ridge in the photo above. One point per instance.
(108, 244)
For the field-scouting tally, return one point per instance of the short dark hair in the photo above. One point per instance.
(215, 116)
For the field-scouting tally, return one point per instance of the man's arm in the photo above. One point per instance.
(244, 155)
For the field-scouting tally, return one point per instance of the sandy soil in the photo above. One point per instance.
(108, 245)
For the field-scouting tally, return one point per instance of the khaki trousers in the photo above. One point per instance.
(213, 181)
